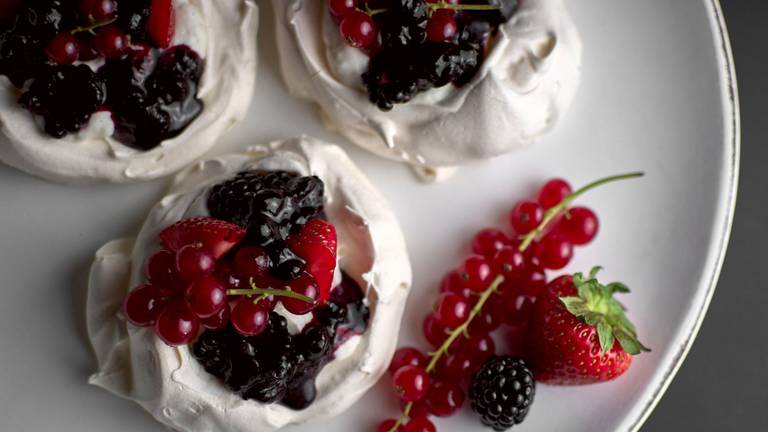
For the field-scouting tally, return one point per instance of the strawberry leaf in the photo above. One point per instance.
(605, 334)
(617, 287)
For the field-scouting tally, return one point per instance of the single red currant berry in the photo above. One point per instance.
(452, 310)
(177, 325)
(509, 262)
(341, 8)
(435, 333)
(478, 347)
(419, 424)
(533, 281)
(411, 383)
(445, 399)
(88, 51)
(111, 42)
(484, 323)
(143, 305)
(252, 262)
(580, 225)
(206, 296)
(161, 272)
(306, 286)
(554, 192)
(359, 29)
(455, 283)
(218, 321)
(192, 262)
(249, 318)
(63, 48)
(457, 367)
(489, 241)
(526, 216)
(387, 425)
(554, 252)
(407, 356)
(476, 272)
(442, 26)
(516, 309)
(97, 11)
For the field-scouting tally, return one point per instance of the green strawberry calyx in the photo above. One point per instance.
(596, 307)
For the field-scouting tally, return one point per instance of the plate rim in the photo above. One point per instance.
(731, 133)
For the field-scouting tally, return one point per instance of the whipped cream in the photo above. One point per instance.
(526, 82)
(223, 32)
(168, 381)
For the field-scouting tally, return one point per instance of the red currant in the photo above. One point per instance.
(411, 383)
(442, 26)
(489, 241)
(477, 273)
(219, 320)
(533, 281)
(161, 271)
(304, 285)
(249, 318)
(341, 8)
(359, 29)
(143, 305)
(418, 409)
(509, 262)
(387, 425)
(177, 325)
(452, 310)
(453, 282)
(457, 367)
(63, 48)
(579, 226)
(206, 296)
(192, 262)
(484, 323)
(526, 216)
(111, 42)
(478, 347)
(445, 399)
(553, 192)
(515, 309)
(88, 51)
(407, 356)
(98, 11)
(554, 252)
(435, 333)
(252, 262)
(419, 424)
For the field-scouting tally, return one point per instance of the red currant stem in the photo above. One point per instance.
(260, 298)
(372, 12)
(254, 290)
(470, 7)
(463, 329)
(93, 26)
(555, 211)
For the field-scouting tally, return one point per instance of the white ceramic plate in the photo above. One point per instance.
(658, 95)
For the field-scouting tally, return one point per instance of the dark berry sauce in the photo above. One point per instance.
(151, 92)
(277, 367)
(406, 62)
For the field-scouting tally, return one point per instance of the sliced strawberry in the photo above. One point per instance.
(162, 22)
(215, 235)
(316, 243)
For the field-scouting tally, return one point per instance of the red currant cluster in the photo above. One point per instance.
(497, 285)
(200, 279)
(359, 29)
(99, 36)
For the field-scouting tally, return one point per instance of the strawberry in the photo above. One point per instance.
(579, 334)
(162, 22)
(316, 244)
(215, 235)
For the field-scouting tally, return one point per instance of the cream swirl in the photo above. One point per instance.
(223, 32)
(526, 82)
(168, 382)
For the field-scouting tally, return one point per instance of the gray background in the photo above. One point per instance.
(723, 384)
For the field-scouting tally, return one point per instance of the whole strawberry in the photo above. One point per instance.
(579, 333)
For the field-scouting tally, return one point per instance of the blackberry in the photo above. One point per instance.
(276, 366)
(65, 96)
(132, 18)
(502, 392)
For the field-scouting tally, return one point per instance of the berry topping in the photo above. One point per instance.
(143, 305)
(442, 26)
(211, 234)
(502, 392)
(249, 317)
(341, 8)
(111, 42)
(162, 22)
(577, 321)
(206, 296)
(316, 244)
(306, 286)
(95, 11)
(359, 29)
(63, 49)
(193, 261)
(252, 261)
(162, 272)
(177, 325)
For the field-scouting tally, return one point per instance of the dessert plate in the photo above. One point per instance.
(658, 94)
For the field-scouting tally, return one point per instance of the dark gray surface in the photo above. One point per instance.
(723, 384)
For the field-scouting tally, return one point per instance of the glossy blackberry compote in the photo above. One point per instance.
(417, 45)
(71, 58)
